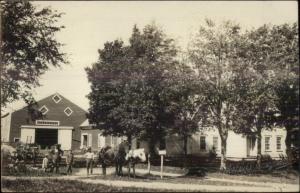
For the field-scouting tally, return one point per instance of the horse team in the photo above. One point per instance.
(118, 156)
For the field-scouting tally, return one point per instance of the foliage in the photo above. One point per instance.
(185, 104)
(28, 48)
(58, 185)
(127, 85)
(215, 53)
(268, 81)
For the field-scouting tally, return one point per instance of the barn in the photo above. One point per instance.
(59, 124)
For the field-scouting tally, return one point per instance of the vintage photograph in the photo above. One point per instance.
(149, 96)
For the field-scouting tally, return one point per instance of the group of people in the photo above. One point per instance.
(52, 160)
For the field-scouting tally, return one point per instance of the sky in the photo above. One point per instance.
(89, 24)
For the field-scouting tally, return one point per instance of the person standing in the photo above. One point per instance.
(57, 157)
(69, 162)
(89, 160)
(45, 164)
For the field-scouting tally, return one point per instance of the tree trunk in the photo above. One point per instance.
(185, 139)
(223, 151)
(151, 147)
(288, 143)
(129, 139)
(259, 148)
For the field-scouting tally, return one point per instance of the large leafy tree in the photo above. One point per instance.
(28, 48)
(127, 84)
(285, 59)
(268, 83)
(214, 52)
(256, 85)
(186, 105)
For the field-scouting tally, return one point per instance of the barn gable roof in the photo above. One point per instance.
(56, 107)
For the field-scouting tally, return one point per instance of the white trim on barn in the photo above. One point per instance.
(64, 135)
(47, 122)
(56, 100)
(47, 127)
(68, 113)
(46, 110)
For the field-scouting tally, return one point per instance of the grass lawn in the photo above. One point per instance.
(55, 185)
(176, 180)
(284, 176)
(171, 169)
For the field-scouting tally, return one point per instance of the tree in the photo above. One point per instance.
(28, 48)
(155, 53)
(112, 97)
(214, 53)
(185, 105)
(128, 89)
(285, 59)
(263, 87)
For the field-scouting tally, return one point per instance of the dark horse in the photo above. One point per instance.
(118, 157)
(113, 156)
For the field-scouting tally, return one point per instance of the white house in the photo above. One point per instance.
(238, 146)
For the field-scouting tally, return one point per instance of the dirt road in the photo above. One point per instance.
(255, 186)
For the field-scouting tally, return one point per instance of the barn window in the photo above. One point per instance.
(68, 111)
(44, 110)
(47, 122)
(202, 143)
(56, 98)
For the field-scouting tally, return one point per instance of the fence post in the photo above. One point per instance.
(161, 166)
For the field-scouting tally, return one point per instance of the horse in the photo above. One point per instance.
(133, 157)
(112, 156)
(119, 157)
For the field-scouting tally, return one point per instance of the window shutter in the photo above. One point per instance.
(99, 143)
(81, 142)
(108, 140)
(90, 140)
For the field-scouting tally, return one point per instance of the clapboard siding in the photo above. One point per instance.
(56, 112)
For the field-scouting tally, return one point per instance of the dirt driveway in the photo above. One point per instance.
(241, 186)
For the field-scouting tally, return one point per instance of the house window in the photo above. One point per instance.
(267, 143)
(16, 139)
(215, 143)
(278, 143)
(99, 140)
(84, 140)
(68, 111)
(138, 144)
(56, 98)
(202, 143)
(115, 141)
(44, 110)
(108, 141)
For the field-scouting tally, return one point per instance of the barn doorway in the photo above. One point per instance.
(46, 137)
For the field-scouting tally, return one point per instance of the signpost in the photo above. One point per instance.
(162, 153)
